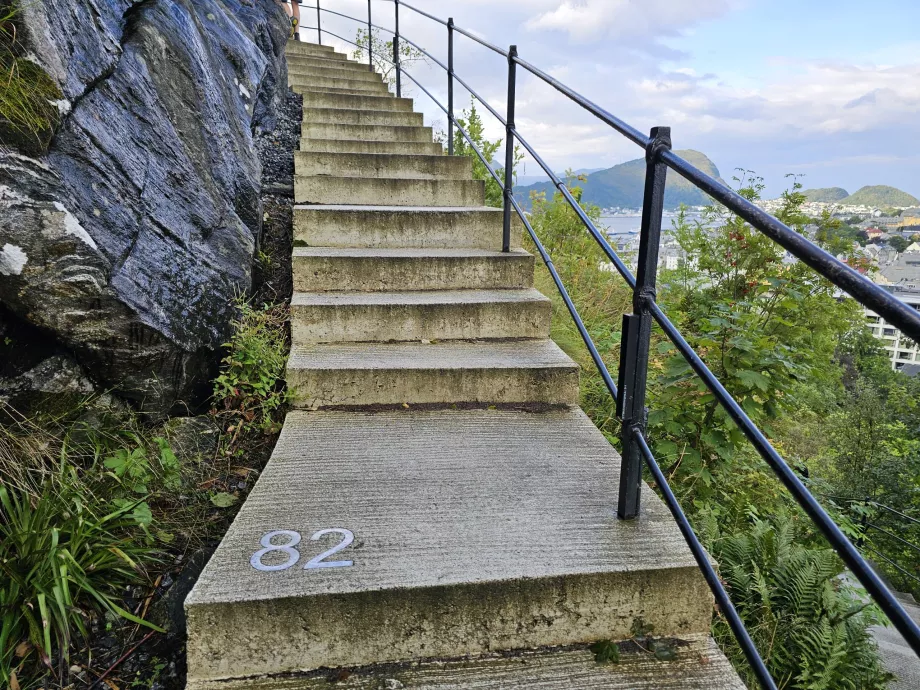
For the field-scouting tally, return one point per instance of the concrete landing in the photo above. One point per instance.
(526, 372)
(699, 666)
(474, 532)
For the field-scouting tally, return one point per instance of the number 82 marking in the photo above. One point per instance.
(294, 538)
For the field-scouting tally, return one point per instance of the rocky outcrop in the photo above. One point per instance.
(128, 240)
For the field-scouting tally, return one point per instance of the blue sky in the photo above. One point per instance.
(829, 90)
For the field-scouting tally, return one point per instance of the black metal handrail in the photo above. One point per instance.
(630, 393)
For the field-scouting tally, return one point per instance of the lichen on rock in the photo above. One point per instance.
(139, 225)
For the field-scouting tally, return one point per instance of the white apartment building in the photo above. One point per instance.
(901, 349)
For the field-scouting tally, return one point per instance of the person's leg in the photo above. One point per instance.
(295, 19)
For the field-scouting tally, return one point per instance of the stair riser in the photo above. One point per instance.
(393, 192)
(394, 229)
(328, 90)
(331, 72)
(343, 101)
(352, 323)
(329, 130)
(351, 85)
(301, 49)
(296, 62)
(285, 636)
(315, 389)
(418, 148)
(347, 116)
(377, 274)
(375, 165)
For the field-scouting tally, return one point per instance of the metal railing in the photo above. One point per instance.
(630, 391)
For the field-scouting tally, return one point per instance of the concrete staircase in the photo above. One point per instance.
(439, 513)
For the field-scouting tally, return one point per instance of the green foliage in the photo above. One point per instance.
(881, 196)
(899, 243)
(827, 195)
(67, 550)
(249, 393)
(811, 630)
(606, 652)
(471, 121)
(383, 56)
(28, 115)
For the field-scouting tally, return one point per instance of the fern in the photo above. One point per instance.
(809, 627)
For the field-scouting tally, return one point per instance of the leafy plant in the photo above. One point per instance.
(63, 555)
(249, 392)
(472, 122)
(809, 627)
(383, 56)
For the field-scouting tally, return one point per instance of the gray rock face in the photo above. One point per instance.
(130, 239)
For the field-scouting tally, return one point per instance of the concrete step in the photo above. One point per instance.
(349, 116)
(474, 532)
(326, 99)
(397, 192)
(401, 227)
(699, 665)
(334, 72)
(420, 148)
(448, 373)
(341, 317)
(384, 165)
(350, 85)
(392, 133)
(296, 62)
(304, 49)
(319, 269)
(306, 89)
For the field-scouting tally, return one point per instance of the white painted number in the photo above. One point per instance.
(320, 561)
(270, 547)
(293, 555)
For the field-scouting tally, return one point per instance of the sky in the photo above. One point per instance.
(829, 90)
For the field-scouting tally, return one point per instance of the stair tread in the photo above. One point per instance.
(421, 492)
(406, 253)
(355, 208)
(519, 354)
(699, 665)
(313, 299)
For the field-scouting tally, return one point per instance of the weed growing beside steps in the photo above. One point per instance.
(97, 507)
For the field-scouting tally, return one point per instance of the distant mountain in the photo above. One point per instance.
(881, 196)
(624, 185)
(524, 180)
(827, 195)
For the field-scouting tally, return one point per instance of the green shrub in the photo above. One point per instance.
(810, 628)
(250, 393)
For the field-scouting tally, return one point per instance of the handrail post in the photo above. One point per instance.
(450, 86)
(370, 37)
(509, 148)
(637, 328)
(396, 53)
(319, 26)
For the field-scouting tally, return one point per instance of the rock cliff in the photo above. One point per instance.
(127, 240)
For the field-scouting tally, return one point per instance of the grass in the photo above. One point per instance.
(28, 114)
(94, 503)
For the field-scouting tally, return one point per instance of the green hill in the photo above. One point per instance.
(623, 185)
(881, 196)
(826, 195)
